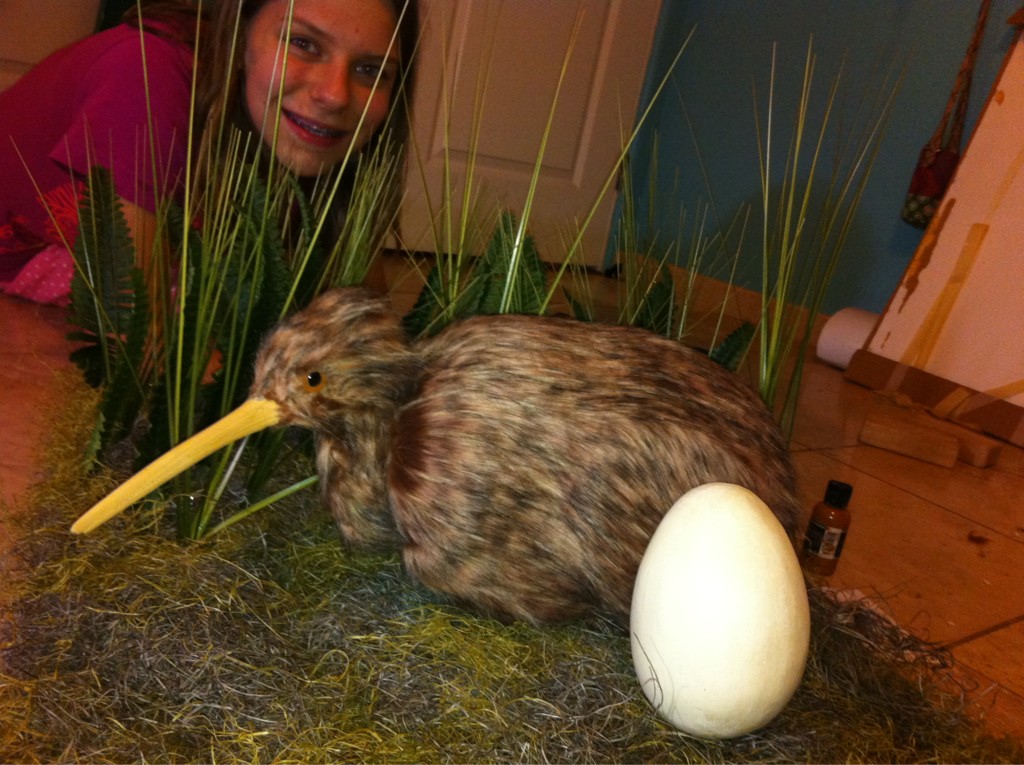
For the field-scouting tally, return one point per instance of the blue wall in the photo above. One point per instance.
(730, 53)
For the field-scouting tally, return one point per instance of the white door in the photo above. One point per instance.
(488, 75)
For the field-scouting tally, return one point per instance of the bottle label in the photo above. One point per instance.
(824, 541)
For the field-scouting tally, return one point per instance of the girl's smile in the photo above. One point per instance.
(314, 132)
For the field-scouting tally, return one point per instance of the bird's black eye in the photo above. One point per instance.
(314, 381)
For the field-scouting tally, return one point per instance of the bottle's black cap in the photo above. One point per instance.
(838, 494)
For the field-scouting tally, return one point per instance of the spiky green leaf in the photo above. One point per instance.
(730, 352)
(423, 316)
(104, 295)
(658, 304)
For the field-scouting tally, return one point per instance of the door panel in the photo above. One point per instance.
(488, 75)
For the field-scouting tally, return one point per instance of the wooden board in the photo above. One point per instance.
(950, 337)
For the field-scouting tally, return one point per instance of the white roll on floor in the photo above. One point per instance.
(844, 333)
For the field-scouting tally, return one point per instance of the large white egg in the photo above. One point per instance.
(720, 623)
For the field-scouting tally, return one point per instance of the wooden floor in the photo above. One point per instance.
(941, 548)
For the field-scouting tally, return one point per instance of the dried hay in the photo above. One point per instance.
(273, 643)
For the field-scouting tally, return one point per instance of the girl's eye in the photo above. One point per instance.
(373, 72)
(314, 381)
(303, 44)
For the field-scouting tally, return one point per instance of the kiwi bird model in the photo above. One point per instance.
(521, 464)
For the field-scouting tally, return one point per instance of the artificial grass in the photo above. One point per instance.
(272, 642)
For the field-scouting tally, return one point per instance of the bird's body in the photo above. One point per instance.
(521, 464)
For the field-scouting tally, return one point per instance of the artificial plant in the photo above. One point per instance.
(261, 252)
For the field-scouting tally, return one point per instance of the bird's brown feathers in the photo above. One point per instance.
(520, 463)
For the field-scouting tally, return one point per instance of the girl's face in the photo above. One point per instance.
(341, 64)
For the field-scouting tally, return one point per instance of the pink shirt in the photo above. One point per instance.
(84, 105)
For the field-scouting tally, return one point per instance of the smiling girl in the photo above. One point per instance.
(314, 80)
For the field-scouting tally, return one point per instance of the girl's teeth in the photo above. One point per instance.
(317, 130)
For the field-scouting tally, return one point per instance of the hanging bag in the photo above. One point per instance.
(940, 156)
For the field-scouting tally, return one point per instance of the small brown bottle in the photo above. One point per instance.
(826, 532)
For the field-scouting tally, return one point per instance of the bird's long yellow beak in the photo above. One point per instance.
(255, 414)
